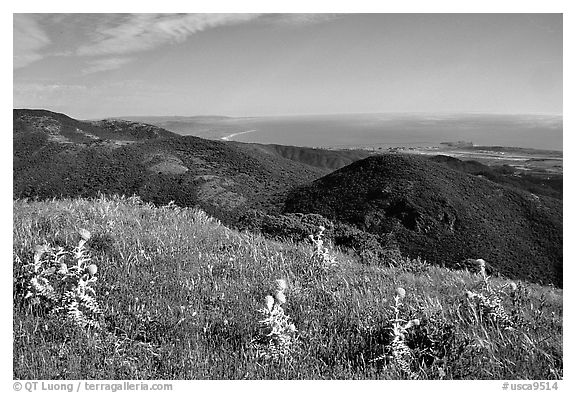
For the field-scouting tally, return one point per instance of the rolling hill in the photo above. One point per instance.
(550, 184)
(320, 158)
(55, 155)
(442, 215)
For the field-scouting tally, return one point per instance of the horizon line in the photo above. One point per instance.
(450, 113)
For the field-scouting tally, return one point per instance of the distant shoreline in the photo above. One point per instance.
(228, 137)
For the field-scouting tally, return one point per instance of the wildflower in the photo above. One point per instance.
(413, 322)
(63, 268)
(400, 353)
(69, 293)
(38, 252)
(321, 255)
(40, 248)
(441, 372)
(281, 285)
(84, 234)
(490, 307)
(280, 297)
(482, 267)
(513, 286)
(92, 269)
(277, 333)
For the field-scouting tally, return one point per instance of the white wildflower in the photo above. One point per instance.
(277, 333)
(84, 234)
(281, 285)
(92, 269)
(280, 297)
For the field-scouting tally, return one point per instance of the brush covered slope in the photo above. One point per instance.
(442, 215)
(549, 184)
(55, 155)
(321, 158)
(179, 294)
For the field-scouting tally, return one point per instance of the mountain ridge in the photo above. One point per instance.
(442, 214)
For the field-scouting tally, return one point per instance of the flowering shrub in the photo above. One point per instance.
(321, 256)
(487, 304)
(398, 351)
(59, 280)
(277, 333)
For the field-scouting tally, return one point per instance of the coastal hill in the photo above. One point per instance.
(321, 158)
(55, 155)
(547, 184)
(442, 215)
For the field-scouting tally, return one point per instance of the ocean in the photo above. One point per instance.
(391, 130)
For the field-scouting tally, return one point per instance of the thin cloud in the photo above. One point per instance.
(35, 87)
(140, 32)
(29, 40)
(107, 64)
(109, 37)
(301, 19)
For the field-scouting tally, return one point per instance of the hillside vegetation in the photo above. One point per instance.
(549, 185)
(55, 156)
(321, 158)
(176, 296)
(442, 215)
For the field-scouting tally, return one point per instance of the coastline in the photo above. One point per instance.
(228, 137)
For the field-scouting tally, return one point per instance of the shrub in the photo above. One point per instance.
(294, 227)
(277, 334)
(398, 352)
(58, 281)
(298, 227)
(322, 258)
(487, 304)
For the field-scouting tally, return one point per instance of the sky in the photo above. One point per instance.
(102, 65)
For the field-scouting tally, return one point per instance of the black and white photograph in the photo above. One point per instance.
(287, 196)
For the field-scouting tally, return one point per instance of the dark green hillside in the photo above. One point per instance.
(55, 155)
(63, 129)
(550, 185)
(321, 158)
(468, 166)
(442, 214)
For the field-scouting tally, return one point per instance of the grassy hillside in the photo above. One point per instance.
(442, 215)
(178, 294)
